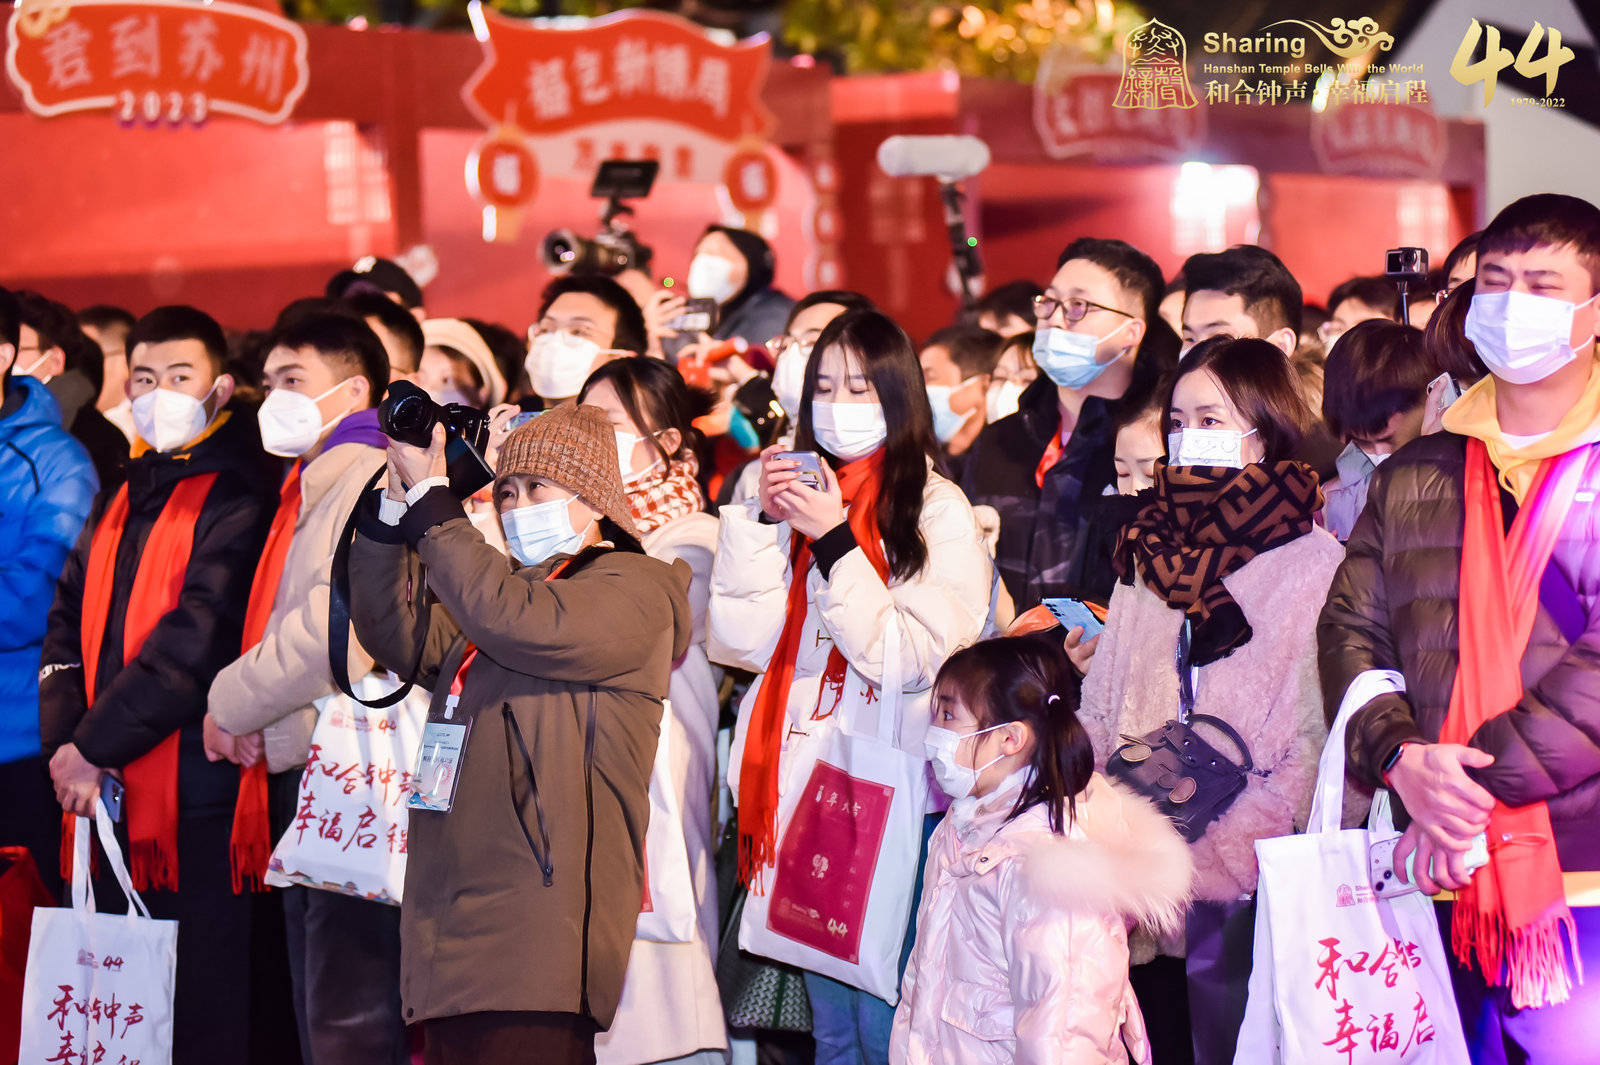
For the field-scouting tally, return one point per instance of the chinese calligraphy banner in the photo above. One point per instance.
(1077, 114)
(156, 61)
(99, 985)
(350, 828)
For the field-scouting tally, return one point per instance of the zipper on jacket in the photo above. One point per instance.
(588, 854)
(514, 733)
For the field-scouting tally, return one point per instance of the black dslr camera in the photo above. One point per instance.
(615, 248)
(408, 414)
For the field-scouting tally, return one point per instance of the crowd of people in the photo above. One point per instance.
(727, 572)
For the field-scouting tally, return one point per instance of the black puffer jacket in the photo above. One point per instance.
(163, 689)
(1393, 605)
(1040, 528)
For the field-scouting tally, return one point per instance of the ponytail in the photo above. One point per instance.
(1029, 679)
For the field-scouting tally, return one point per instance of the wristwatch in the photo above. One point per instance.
(1393, 760)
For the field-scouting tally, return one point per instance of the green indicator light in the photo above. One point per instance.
(972, 242)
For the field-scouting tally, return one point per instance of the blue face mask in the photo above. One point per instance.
(1068, 358)
(540, 530)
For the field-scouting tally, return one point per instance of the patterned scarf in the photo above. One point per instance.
(1206, 522)
(657, 499)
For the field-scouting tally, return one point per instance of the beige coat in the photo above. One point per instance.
(671, 1006)
(272, 686)
(1267, 690)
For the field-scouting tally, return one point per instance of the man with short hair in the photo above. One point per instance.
(584, 322)
(47, 486)
(398, 330)
(326, 372)
(1462, 638)
(1008, 309)
(957, 365)
(1245, 291)
(1036, 467)
(1360, 299)
(150, 606)
(385, 277)
(56, 352)
(109, 327)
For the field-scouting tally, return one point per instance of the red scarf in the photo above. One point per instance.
(859, 483)
(1509, 919)
(656, 501)
(151, 779)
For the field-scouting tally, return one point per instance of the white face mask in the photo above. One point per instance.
(789, 377)
(942, 746)
(166, 419)
(848, 431)
(1207, 447)
(1003, 399)
(559, 363)
(540, 530)
(291, 422)
(1521, 338)
(711, 278)
(946, 421)
(626, 444)
(32, 371)
(446, 396)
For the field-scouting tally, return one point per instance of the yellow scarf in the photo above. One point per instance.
(1476, 415)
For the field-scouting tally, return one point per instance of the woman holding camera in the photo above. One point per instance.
(524, 880)
(1224, 574)
(670, 1009)
(811, 585)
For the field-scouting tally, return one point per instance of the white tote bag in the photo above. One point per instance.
(668, 914)
(1341, 974)
(98, 985)
(349, 831)
(838, 899)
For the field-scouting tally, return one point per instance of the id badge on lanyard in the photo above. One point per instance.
(443, 745)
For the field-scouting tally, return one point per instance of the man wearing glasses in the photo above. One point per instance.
(1039, 466)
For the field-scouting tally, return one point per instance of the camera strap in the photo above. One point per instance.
(339, 611)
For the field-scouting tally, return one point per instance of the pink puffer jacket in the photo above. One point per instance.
(1022, 948)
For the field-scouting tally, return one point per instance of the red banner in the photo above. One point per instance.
(1398, 140)
(625, 67)
(153, 61)
(1078, 115)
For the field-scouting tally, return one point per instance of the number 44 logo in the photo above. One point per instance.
(1496, 58)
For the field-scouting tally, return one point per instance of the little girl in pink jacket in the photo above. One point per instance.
(1033, 879)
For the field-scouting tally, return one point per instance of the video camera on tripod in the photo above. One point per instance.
(614, 248)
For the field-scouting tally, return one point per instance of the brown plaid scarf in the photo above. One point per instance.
(662, 496)
(1206, 522)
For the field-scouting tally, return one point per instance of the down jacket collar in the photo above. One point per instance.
(1119, 854)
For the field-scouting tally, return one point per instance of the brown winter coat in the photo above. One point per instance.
(487, 925)
(1394, 605)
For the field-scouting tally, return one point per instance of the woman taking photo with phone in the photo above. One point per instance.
(1211, 639)
(670, 1009)
(824, 591)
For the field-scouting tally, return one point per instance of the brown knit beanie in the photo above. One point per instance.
(576, 448)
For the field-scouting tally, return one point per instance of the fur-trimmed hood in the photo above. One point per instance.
(1119, 855)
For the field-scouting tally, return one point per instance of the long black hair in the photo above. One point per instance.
(1028, 679)
(656, 399)
(889, 361)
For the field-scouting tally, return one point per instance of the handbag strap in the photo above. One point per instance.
(1187, 675)
(1228, 731)
(82, 889)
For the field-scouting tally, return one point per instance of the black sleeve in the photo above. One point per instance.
(831, 546)
(164, 687)
(63, 699)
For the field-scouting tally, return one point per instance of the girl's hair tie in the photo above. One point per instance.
(1054, 698)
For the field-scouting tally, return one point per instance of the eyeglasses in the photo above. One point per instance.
(1075, 309)
(780, 344)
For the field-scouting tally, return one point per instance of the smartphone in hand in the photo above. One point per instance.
(1074, 614)
(810, 467)
(111, 793)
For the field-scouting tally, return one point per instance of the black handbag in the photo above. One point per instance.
(1187, 779)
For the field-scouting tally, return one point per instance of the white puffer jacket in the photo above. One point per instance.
(937, 612)
(1021, 953)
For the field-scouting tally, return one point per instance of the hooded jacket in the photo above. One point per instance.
(1021, 953)
(163, 688)
(47, 487)
(1394, 605)
(524, 896)
(757, 312)
(1040, 528)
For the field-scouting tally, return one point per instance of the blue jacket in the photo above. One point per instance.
(47, 485)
